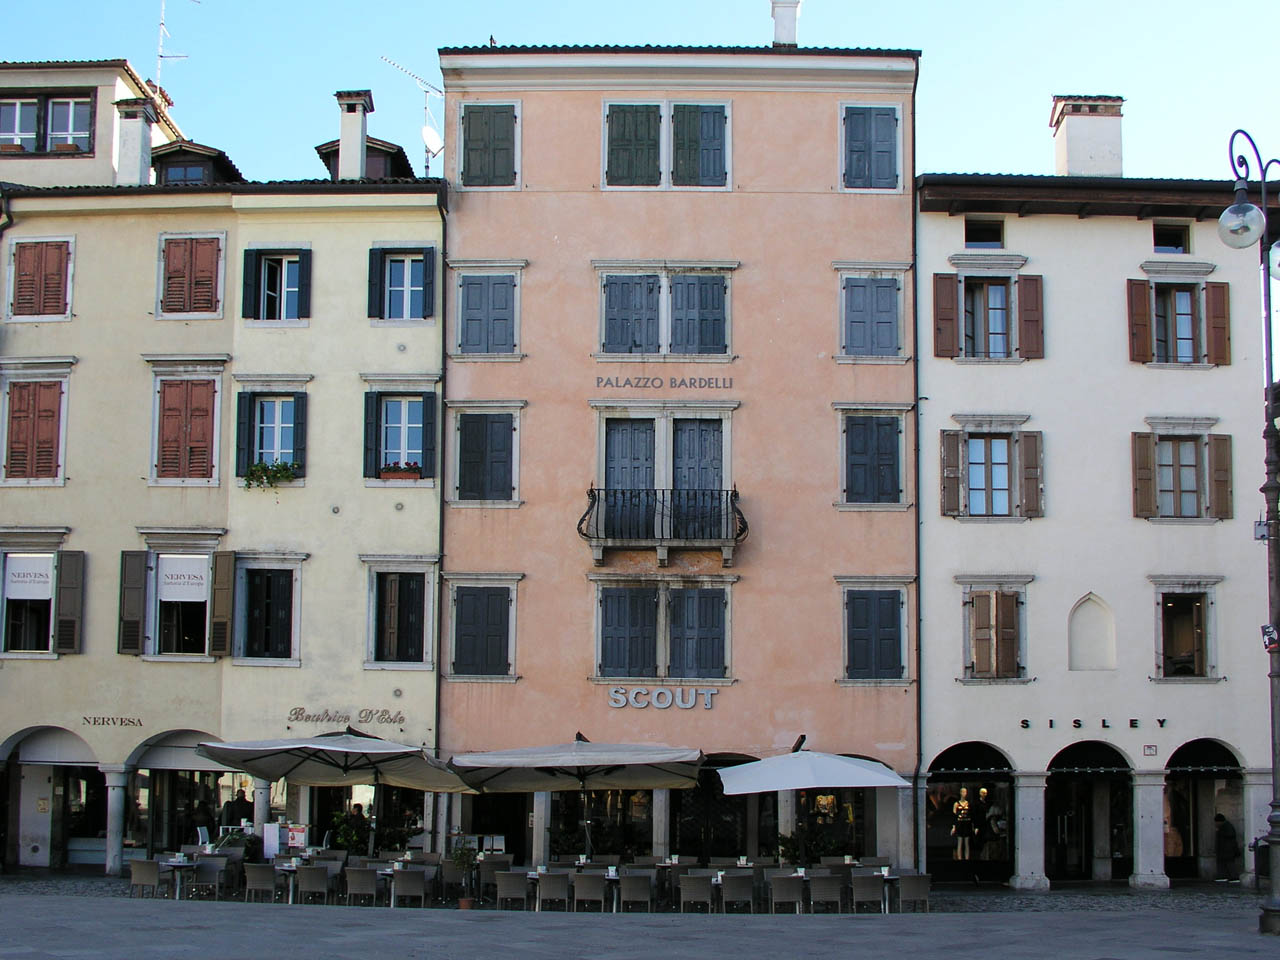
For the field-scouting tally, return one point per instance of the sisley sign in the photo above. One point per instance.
(28, 576)
(661, 698)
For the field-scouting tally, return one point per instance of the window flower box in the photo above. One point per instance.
(409, 470)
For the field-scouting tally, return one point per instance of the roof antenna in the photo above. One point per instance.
(161, 56)
(795, 747)
(432, 139)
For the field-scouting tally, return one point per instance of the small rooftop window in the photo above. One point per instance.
(1171, 238)
(984, 234)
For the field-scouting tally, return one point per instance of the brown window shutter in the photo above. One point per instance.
(27, 268)
(1144, 474)
(170, 462)
(53, 278)
(1220, 476)
(48, 404)
(176, 297)
(133, 601)
(222, 603)
(983, 639)
(1030, 449)
(388, 642)
(68, 613)
(204, 275)
(946, 315)
(198, 447)
(1006, 635)
(20, 448)
(1031, 317)
(1197, 628)
(1139, 321)
(1217, 322)
(951, 445)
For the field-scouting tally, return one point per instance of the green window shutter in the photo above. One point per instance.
(245, 440)
(857, 147)
(372, 433)
(252, 291)
(428, 434)
(68, 613)
(375, 283)
(304, 283)
(299, 434)
(634, 132)
(489, 145)
(884, 148)
(133, 601)
(686, 140)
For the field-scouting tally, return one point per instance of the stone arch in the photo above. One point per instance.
(173, 750)
(1091, 635)
(47, 743)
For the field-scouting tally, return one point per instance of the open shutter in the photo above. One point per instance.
(173, 419)
(859, 455)
(1220, 476)
(372, 423)
(28, 269)
(1139, 294)
(245, 440)
(20, 436)
(857, 147)
(1030, 444)
(1144, 474)
(1031, 317)
(888, 634)
(133, 601)
(428, 434)
(1217, 321)
(884, 148)
(388, 616)
(1007, 635)
(950, 446)
(176, 295)
(299, 434)
(48, 403)
(428, 282)
(304, 283)
(68, 611)
(375, 283)
(860, 608)
(983, 638)
(221, 603)
(946, 315)
(204, 274)
(200, 439)
(251, 285)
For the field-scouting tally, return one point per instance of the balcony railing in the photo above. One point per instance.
(689, 519)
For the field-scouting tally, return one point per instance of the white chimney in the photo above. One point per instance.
(133, 161)
(355, 105)
(785, 14)
(1086, 136)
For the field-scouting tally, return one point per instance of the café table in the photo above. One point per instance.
(180, 869)
(291, 871)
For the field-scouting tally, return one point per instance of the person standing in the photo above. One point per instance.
(1226, 845)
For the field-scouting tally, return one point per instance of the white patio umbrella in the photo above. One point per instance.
(806, 769)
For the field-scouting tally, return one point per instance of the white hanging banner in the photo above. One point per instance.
(183, 578)
(28, 576)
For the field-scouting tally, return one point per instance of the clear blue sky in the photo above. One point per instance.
(260, 74)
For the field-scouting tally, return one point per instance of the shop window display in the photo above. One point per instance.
(967, 828)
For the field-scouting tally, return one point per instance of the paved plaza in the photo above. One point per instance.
(51, 916)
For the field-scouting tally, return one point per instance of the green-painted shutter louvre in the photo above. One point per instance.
(299, 434)
(304, 284)
(251, 285)
(372, 433)
(68, 610)
(222, 603)
(375, 282)
(133, 601)
(429, 435)
(246, 441)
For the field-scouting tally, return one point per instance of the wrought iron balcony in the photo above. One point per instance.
(683, 519)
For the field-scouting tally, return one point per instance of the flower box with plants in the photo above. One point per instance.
(395, 470)
(270, 474)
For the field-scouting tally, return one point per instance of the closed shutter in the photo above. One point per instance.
(859, 472)
(631, 314)
(696, 623)
(428, 282)
(1030, 446)
(388, 639)
(628, 631)
(711, 319)
(190, 275)
(411, 628)
(204, 277)
(269, 614)
(983, 636)
(884, 148)
(372, 431)
(502, 314)
(176, 295)
(634, 133)
(222, 603)
(873, 634)
(198, 446)
(857, 147)
(53, 278)
(68, 611)
(1144, 474)
(502, 145)
(888, 485)
(186, 440)
(946, 315)
(686, 137)
(300, 435)
(133, 601)
(1007, 635)
(472, 441)
(45, 435)
(304, 284)
(888, 635)
(20, 434)
(1220, 507)
(697, 315)
(950, 446)
(1139, 296)
(246, 439)
(170, 462)
(482, 630)
(712, 166)
(28, 268)
(477, 147)
(499, 450)
(428, 434)
(1217, 319)
(1031, 317)
(251, 283)
(375, 283)
(473, 314)
(884, 318)
(857, 317)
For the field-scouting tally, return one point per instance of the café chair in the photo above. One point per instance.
(260, 878)
(914, 889)
(554, 886)
(410, 884)
(362, 882)
(866, 890)
(786, 889)
(207, 878)
(590, 888)
(144, 875)
(696, 889)
(636, 886)
(826, 889)
(738, 888)
(313, 880)
(512, 885)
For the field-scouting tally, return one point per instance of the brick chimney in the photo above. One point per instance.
(785, 14)
(133, 159)
(1086, 136)
(355, 106)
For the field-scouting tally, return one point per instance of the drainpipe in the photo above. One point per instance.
(915, 420)
(441, 434)
(6, 215)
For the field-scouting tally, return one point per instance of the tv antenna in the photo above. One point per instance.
(161, 56)
(432, 139)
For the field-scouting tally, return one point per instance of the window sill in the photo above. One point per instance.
(39, 318)
(422, 482)
(881, 191)
(290, 485)
(177, 658)
(28, 655)
(48, 154)
(468, 678)
(872, 361)
(189, 316)
(1183, 521)
(487, 357)
(1190, 680)
(664, 681)
(398, 665)
(903, 682)
(486, 504)
(969, 519)
(1153, 365)
(994, 681)
(411, 322)
(485, 186)
(666, 186)
(983, 361)
(872, 507)
(297, 324)
(265, 662)
(34, 482)
(665, 357)
(182, 482)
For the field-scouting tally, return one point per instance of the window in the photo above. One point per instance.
(271, 429)
(666, 144)
(43, 123)
(176, 603)
(1171, 238)
(489, 144)
(277, 285)
(43, 602)
(990, 304)
(1185, 626)
(401, 283)
(482, 630)
(1179, 322)
(994, 626)
(401, 617)
(873, 457)
(40, 279)
(187, 429)
(983, 234)
(485, 454)
(487, 314)
(870, 148)
(1182, 474)
(666, 313)
(184, 172)
(667, 629)
(873, 634)
(33, 430)
(267, 606)
(191, 276)
(992, 469)
(870, 317)
(399, 435)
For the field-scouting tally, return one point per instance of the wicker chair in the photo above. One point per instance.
(875, 861)
(362, 882)
(409, 884)
(827, 889)
(144, 875)
(695, 889)
(311, 881)
(636, 886)
(866, 890)
(914, 890)
(554, 886)
(207, 877)
(260, 878)
(738, 888)
(786, 889)
(512, 885)
(590, 888)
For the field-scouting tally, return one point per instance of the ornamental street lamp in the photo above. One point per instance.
(1241, 225)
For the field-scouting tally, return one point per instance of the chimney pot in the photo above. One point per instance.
(785, 13)
(354, 106)
(1086, 136)
(133, 160)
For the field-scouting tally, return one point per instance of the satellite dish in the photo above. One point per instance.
(432, 140)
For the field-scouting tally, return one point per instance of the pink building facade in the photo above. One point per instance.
(679, 475)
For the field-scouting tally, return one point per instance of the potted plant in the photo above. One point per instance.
(395, 470)
(273, 474)
(464, 858)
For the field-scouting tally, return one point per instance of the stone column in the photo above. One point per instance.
(786, 812)
(1253, 817)
(117, 775)
(1148, 832)
(661, 823)
(1206, 838)
(541, 828)
(1028, 833)
(753, 827)
(262, 805)
(1101, 830)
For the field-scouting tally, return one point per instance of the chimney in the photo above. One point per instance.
(1086, 136)
(355, 105)
(785, 14)
(133, 159)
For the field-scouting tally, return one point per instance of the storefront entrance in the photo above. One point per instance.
(705, 823)
(1088, 816)
(969, 815)
(505, 815)
(1202, 780)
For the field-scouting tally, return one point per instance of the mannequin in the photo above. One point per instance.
(962, 829)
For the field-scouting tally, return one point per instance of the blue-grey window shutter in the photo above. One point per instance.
(857, 317)
(888, 634)
(884, 147)
(244, 432)
(857, 147)
(472, 440)
(860, 608)
(502, 314)
(614, 625)
(888, 481)
(304, 283)
(428, 281)
(300, 434)
(859, 476)
(711, 325)
(372, 433)
(711, 155)
(633, 131)
(477, 149)
(473, 315)
(480, 637)
(631, 314)
(684, 315)
(629, 631)
(500, 432)
(697, 633)
(375, 282)
(685, 136)
(252, 279)
(502, 139)
(884, 318)
(682, 617)
(428, 434)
